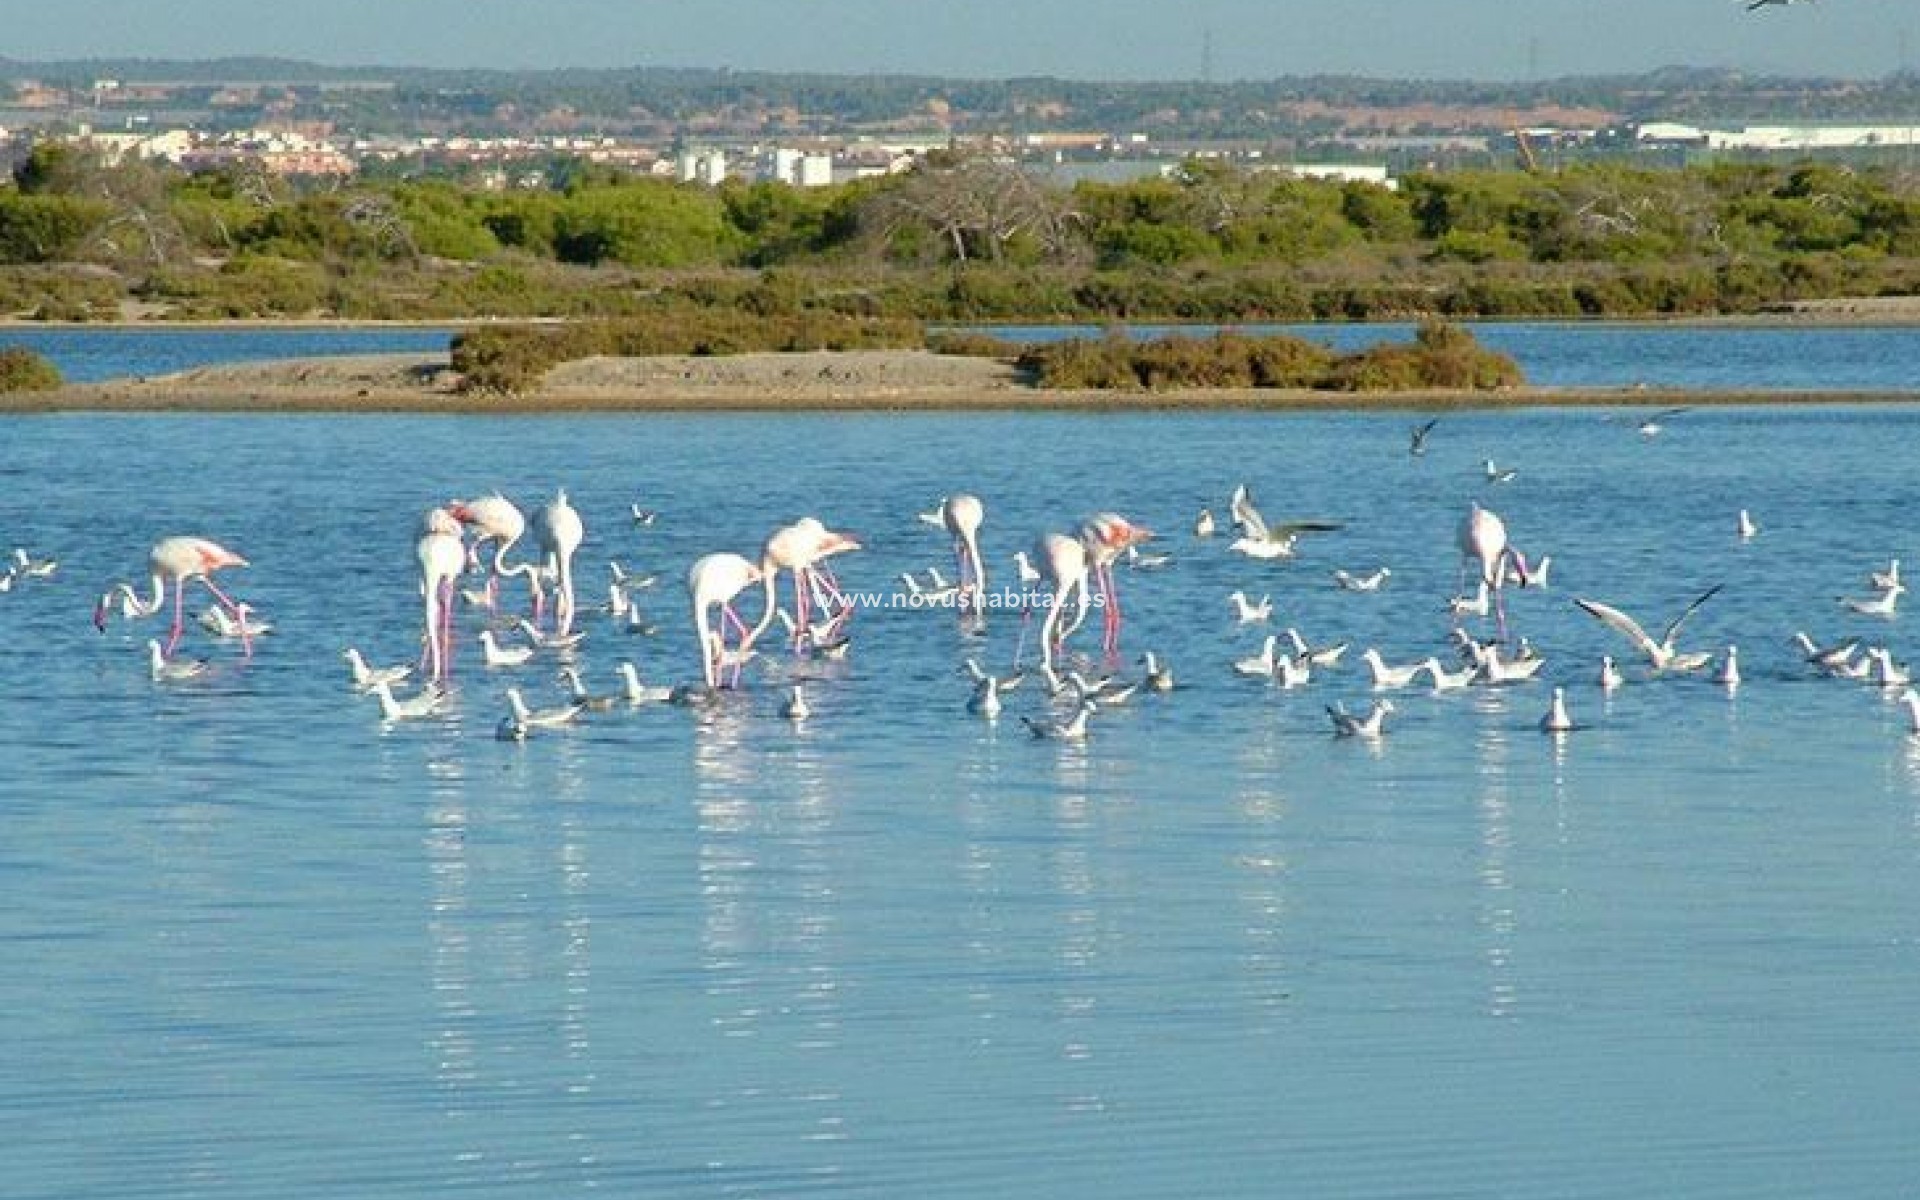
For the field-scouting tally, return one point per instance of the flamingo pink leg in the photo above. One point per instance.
(233, 610)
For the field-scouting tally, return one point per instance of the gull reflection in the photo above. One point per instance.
(1260, 875)
(449, 962)
(1497, 917)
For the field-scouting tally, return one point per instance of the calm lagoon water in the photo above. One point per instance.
(259, 944)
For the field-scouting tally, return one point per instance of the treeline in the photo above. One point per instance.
(962, 238)
(473, 101)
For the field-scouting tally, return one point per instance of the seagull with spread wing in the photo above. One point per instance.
(1661, 654)
(1258, 539)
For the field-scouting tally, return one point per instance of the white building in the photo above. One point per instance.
(702, 166)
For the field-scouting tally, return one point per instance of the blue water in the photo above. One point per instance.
(1552, 354)
(1555, 354)
(87, 355)
(257, 943)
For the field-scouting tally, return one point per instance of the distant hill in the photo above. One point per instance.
(1296, 106)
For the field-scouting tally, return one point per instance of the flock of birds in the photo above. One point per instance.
(464, 551)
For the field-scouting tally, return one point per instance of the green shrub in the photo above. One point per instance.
(21, 370)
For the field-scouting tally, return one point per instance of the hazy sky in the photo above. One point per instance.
(1134, 39)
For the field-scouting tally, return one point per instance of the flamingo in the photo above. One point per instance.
(442, 557)
(799, 548)
(1107, 536)
(713, 582)
(180, 560)
(559, 530)
(496, 519)
(962, 516)
(1065, 569)
(1483, 538)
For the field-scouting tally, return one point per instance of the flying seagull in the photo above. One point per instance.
(1258, 539)
(1661, 654)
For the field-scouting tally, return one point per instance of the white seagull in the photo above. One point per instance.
(1159, 677)
(985, 701)
(795, 706)
(424, 703)
(1557, 720)
(1479, 606)
(164, 670)
(496, 655)
(1661, 654)
(1610, 676)
(1319, 656)
(1889, 578)
(1258, 539)
(364, 676)
(1911, 699)
(1497, 670)
(1745, 526)
(1499, 474)
(1261, 664)
(1883, 605)
(1349, 582)
(1247, 612)
(1387, 678)
(1072, 729)
(1371, 726)
(1827, 658)
(1449, 681)
(544, 718)
(636, 693)
(1728, 676)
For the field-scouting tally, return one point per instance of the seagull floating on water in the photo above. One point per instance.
(1261, 664)
(424, 703)
(543, 718)
(795, 706)
(1887, 579)
(1319, 656)
(1827, 658)
(1159, 677)
(1883, 605)
(1386, 677)
(985, 701)
(1557, 719)
(1745, 526)
(495, 655)
(1479, 606)
(1349, 582)
(1728, 676)
(1203, 524)
(1499, 474)
(636, 693)
(1497, 670)
(1371, 726)
(1072, 729)
(1610, 677)
(364, 676)
(1449, 681)
(164, 670)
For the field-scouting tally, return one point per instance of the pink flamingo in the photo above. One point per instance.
(800, 549)
(1064, 563)
(962, 516)
(179, 560)
(1107, 536)
(496, 519)
(713, 582)
(1483, 539)
(559, 531)
(442, 556)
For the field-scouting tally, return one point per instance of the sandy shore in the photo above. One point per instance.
(852, 380)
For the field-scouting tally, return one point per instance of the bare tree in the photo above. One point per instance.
(976, 206)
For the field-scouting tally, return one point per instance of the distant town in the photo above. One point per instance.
(501, 130)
